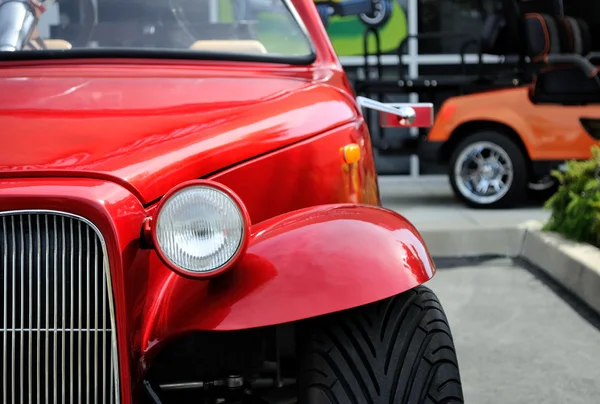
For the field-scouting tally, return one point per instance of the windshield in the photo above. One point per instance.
(263, 29)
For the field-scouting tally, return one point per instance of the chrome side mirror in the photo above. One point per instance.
(418, 115)
(406, 113)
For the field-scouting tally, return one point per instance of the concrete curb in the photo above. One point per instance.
(575, 266)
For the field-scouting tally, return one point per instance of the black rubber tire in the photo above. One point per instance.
(399, 350)
(382, 16)
(541, 196)
(517, 192)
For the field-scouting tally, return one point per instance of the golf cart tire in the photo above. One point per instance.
(542, 195)
(379, 20)
(399, 350)
(517, 193)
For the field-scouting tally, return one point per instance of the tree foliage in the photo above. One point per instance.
(576, 204)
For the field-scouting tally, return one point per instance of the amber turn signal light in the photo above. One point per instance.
(351, 153)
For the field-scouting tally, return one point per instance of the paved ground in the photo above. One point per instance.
(428, 201)
(519, 338)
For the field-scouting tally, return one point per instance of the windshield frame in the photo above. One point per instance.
(173, 54)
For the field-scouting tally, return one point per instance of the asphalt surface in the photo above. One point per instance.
(519, 337)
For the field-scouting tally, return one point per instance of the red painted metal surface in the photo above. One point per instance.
(119, 215)
(423, 119)
(298, 265)
(105, 139)
(152, 133)
(306, 174)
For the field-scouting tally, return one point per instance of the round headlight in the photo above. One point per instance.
(200, 228)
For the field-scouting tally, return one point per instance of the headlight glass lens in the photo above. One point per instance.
(199, 229)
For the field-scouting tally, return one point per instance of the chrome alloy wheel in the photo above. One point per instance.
(483, 172)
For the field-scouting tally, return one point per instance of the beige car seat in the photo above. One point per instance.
(51, 44)
(236, 46)
(57, 44)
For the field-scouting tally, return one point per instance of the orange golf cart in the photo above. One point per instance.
(498, 144)
(505, 132)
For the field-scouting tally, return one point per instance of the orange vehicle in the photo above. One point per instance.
(498, 144)
(512, 122)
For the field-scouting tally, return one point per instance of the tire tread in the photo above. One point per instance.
(395, 351)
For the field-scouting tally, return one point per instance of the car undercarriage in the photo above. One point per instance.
(245, 366)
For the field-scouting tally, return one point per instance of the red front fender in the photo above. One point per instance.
(299, 265)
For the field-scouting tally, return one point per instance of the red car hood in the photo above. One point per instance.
(152, 133)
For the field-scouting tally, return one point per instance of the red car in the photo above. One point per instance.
(189, 212)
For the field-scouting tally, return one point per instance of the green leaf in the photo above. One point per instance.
(575, 206)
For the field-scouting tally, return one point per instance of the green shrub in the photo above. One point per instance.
(576, 205)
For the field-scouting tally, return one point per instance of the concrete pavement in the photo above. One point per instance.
(520, 338)
(452, 230)
(428, 202)
(517, 337)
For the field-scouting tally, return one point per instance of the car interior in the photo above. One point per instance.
(172, 24)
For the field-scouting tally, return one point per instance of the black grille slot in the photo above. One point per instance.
(56, 322)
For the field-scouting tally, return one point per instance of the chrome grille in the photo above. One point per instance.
(56, 316)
